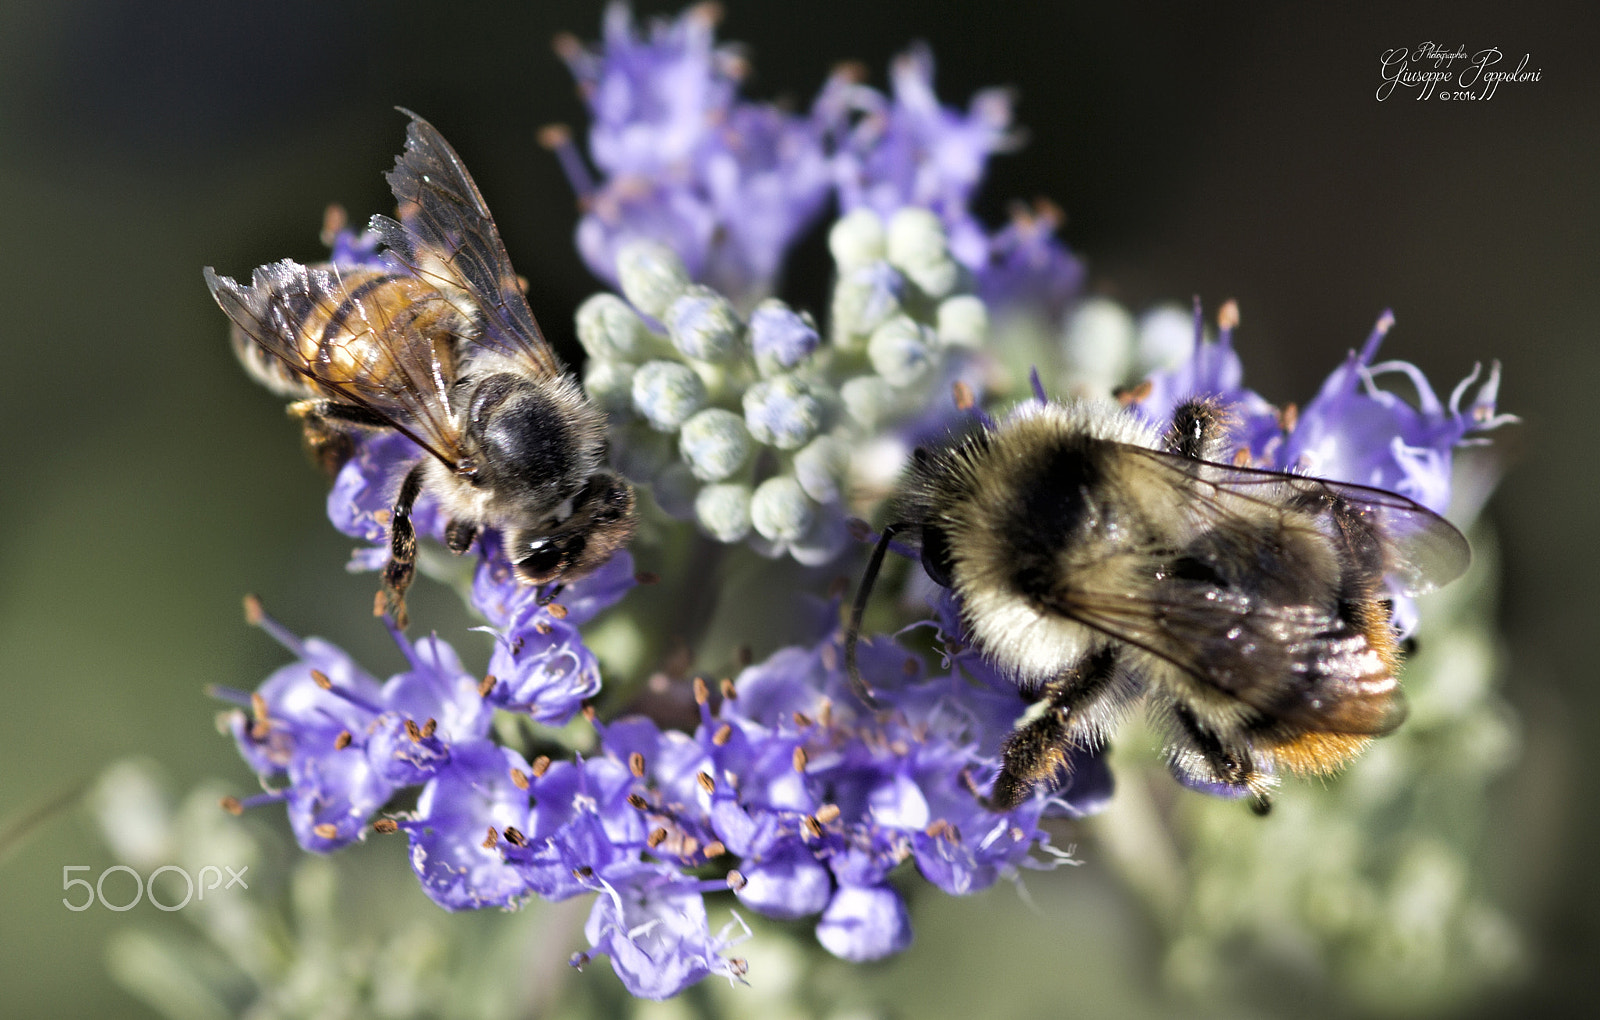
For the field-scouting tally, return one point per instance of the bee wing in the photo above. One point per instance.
(1298, 665)
(1408, 542)
(387, 369)
(446, 237)
(1295, 658)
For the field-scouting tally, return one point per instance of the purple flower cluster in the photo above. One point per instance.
(819, 800)
(800, 801)
(1351, 431)
(347, 743)
(729, 184)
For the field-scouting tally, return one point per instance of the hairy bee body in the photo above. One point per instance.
(435, 341)
(1099, 561)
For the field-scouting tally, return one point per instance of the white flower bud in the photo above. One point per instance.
(915, 237)
(868, 399)
(819, 466)
(666, 393)
(900, 351)
(963, 321)
(610, 330)
(724, 511)
(918, 247)
(610, 385)
(714, 443)
(780, 511)
(782, 412)
(863, 298)
(856, 239)
(1098, 346)
(1166, 338)
(703, 325)
(651, 275)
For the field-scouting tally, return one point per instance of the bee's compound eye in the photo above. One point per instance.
(541, 562)
(936, 556)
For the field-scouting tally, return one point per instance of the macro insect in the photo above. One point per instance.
(1098, 560)
(436, 341)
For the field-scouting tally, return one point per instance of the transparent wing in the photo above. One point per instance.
(1414, 545)
(1300, 665)
(1246, 609)
(446, 236)
(360, 356)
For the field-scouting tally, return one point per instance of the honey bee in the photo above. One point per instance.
(437, 342)
(1097, 561)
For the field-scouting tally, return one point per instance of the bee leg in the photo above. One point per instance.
(551, 593)
(458, 536)
(325, 425)
(1204, 760)
(1198, 430)
(1038, 751)
(402, 565)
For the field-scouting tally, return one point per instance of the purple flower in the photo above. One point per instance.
(1213, 370)
(1355, 432)
(540, 664)
(301, 726)
(727, 184)
(363, 494)
(865, 923)
(1028, 268)
(349, 250)
(657, 935)
(1352, 431)
(428, 708)
(473, 795)
(581, 827)
(909, 150)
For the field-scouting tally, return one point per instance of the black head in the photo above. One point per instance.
(601, 522)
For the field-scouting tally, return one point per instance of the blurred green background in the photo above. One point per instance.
(1224, 150)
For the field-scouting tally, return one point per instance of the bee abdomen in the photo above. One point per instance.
(352, 340)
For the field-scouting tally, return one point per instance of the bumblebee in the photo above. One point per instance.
(1099, 561)
(436, 341)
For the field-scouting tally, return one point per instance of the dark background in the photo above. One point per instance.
(1221, 150)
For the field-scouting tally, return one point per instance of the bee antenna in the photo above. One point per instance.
(852, 634)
